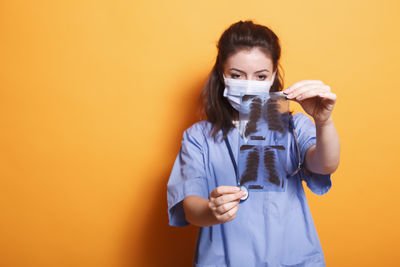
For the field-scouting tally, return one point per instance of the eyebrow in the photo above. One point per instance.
(245, 72)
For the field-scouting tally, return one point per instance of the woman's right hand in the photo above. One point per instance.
(224, 202)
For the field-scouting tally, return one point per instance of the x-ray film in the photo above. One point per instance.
(263, 141)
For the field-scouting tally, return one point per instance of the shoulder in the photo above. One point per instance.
(199, 128)
(199, 133)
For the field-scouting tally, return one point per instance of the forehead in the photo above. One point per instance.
(249, 60)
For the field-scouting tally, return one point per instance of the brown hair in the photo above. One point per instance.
(240, 35)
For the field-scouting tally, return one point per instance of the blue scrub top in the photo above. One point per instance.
(270, 228)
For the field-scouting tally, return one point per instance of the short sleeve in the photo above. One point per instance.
(306, 134)
(188, 176)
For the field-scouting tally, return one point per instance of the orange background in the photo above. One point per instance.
(95, 95)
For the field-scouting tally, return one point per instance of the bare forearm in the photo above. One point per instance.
(324, 157)
(197, 211)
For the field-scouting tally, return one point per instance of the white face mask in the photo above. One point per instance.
(235, 88)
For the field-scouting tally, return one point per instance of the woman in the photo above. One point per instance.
(269, 228)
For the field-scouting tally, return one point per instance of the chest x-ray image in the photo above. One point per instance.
(264, 141)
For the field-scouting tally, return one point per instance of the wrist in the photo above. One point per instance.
(325, 123)
(209, 215)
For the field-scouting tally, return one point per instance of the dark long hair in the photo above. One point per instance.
(240, 35)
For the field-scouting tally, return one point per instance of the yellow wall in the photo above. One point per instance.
(94, 96)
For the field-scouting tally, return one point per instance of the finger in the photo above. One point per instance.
(331, 96)
(310, 94)
(230, 215)
(228, 198)
(307, 87)
(226, 207)
(301, 83)
(224, 189)
(211, 205)
(303, 89)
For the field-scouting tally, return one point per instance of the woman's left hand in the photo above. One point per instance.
(315, 97)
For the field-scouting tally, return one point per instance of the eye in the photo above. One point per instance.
(262, 77)
(235, 76)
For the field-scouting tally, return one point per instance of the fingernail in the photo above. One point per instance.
(236, 189)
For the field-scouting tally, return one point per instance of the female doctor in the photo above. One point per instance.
(268, 228)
